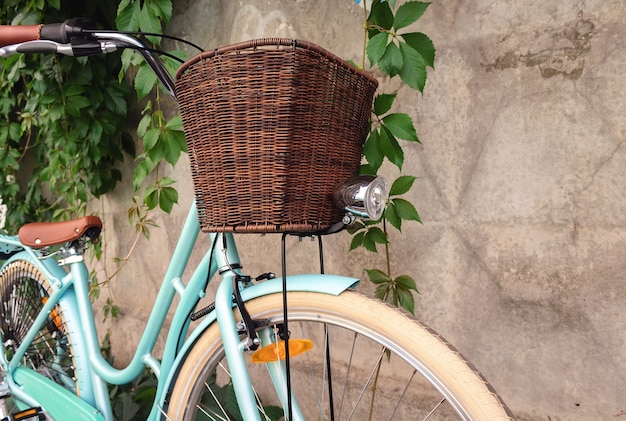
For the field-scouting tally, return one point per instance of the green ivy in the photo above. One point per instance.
(62, 121)
(405, 55)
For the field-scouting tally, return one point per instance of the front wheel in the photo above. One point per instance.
(369, 361)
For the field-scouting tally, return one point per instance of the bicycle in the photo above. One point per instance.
(320, 349)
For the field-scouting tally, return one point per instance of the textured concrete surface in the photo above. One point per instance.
(521, 259)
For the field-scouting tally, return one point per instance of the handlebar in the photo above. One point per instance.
(76, 37)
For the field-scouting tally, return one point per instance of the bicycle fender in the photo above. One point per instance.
(320, 283)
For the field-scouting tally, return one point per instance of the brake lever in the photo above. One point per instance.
(75, 49)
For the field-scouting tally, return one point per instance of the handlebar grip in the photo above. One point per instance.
(57, 32)
(14, 34)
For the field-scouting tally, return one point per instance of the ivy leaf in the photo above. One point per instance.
(408, 13)
(390, 147)
(115, 102)
(128, 16)
(401, 126)
(367, 169)
(143, 125)
(381, 16)
(173, 143)
(392, 216)
(357, 240)
(149, 22)
(377, 276)
(373, 236)
(383, 103)
(406, 210)
(413, 71)
(168, 196)
(76, 103)
(391, 62)
(160, 8)
(376, 47)
(151, 139)
(401, 185)
(422, 44)
(151, 197)
(406, 282)
(372, 150)
(144, 80)
(405, 300)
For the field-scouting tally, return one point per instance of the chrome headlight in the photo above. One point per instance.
(364, 196)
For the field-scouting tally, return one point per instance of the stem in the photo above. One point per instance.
(365, 28)
(387, 254)
(125, 259)
(374, 389)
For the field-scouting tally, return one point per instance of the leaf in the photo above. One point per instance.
(413, 71)
(391, 62)
(406, 210)
(376, 47)
(128, 16)
(380, 15)
(168, 196)
(390, 147)
(422, 44)
(74, 90)
(149, 22)
(142, 127)
(392, 216)
(383, 103)
(160, 8)
(372, 150)
(357, 240)
(151, 139)
(408, 13)
(401, 185)
(376, 235)
(377, 276)
(406, 282)
(115, 102)
(151, 197)
(401, 125)
(145, 80)
(406, 300)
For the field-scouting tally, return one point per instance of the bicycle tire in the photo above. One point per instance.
(23, 292)
(378, 329)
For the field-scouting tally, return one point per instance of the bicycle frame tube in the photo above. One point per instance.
(72, 289)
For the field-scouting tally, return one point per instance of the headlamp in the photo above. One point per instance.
(364, 196)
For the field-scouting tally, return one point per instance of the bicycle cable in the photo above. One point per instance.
(145, 34)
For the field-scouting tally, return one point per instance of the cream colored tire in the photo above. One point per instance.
(419, 358)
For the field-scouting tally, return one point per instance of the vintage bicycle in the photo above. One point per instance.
(293, 346)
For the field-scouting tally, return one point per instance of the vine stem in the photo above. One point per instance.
(364, 34)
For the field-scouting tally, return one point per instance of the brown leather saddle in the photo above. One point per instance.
(44, 234)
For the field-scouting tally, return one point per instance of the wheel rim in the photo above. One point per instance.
(406, 400)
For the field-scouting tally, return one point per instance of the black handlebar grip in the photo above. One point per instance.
(66, 31)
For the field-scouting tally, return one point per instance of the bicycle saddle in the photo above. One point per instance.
(43, 234)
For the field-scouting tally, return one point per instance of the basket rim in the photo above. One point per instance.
(276, 42)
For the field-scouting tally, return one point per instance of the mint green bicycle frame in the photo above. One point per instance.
(71, 290)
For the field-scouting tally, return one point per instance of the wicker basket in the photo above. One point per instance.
(273, 126)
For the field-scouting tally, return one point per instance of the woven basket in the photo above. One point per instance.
(273, 126)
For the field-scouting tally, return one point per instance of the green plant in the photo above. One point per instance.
(396, 53)
(62, 130)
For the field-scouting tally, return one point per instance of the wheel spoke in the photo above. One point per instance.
(366, 363)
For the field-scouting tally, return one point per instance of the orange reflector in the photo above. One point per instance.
(276, 351)
(54, 316)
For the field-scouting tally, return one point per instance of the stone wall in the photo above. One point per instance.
(521, 259)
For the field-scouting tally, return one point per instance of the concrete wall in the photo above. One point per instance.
(521, 259)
